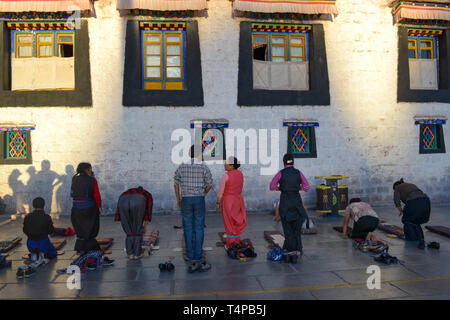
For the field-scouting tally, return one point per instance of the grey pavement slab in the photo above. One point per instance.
(299, 280)
(29, 290)
(130, 289)
(329, 265)
(216, 285)
(428, 287)
(359, 293)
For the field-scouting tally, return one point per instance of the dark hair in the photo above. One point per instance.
(82, 167)
(396, 183)
(140, 189)
(354, 200)
(194, 152)
(38, 203)
(236, 165)
(288, 158)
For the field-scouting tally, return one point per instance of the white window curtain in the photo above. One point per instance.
(280, 76)
(423, 74)
(39, 74)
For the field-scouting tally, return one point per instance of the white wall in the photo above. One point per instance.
(364, 133)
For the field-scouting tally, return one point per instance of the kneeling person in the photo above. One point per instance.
(365, 220)
(134, 211)
(37, 226)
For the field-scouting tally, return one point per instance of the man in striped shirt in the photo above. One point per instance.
(194, 180)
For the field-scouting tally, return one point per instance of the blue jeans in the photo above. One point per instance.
(44, 246)
(193, 213)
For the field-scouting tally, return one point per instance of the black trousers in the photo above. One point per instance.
(292, 234)
(415, 213)
(363, 226)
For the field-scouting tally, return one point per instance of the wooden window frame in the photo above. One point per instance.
(302, 45)
(266, 37)
(159, 34)
(279, 35)
(180, 45)
(430, 47)
(415, 48)
(39, 44)
(287, 44)
(418, 40)
(28, 44)
(58, 42)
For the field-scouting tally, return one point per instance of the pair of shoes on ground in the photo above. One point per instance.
(199, 266)
(25, 272)
(106, 263)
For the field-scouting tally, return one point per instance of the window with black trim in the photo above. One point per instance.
(301, 139)
(282, 64)
(44, 63)
(15, 145)
(211, 136)
(423, 65)
(431, 137)
(162, 64)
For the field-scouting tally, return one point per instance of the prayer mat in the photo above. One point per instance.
(275, 238)
(58, 243)
(443, 231)
(391, 229)
(339, 229)
(7, 245)
(105, 243)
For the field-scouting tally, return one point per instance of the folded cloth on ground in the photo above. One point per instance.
(275, 238)
(241, 249)
(370, 246)
(7, 245)
(150, 238)
(443, 231)
(386, 258)
(63, 232)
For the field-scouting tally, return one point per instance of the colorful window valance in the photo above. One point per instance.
(291, 6)
(162, 5)
(419, 10)
(45, 5)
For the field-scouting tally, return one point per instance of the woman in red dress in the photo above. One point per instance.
(232, 202)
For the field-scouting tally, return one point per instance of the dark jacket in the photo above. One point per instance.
(38, 225)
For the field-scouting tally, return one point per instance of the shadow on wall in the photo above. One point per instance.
(39, 184)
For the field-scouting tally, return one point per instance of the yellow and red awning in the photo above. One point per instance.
(290, 6)
(45, 5)
(162, 5)
(419, 10)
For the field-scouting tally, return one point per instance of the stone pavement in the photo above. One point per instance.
(330, 268)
